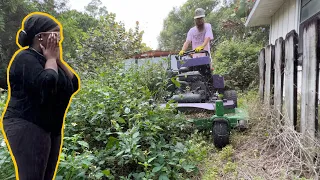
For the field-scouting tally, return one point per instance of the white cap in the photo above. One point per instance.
(199, 13)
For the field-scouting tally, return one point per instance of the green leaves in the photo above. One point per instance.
(163, 177)
(188, 168)
(236, 61)
(180, 147)
(126, 132)
(114, 127)
(107, 42)
(83, 143)
(112, 141)
(156, 169)
(175, 82)
(106, 172)
(103, 139)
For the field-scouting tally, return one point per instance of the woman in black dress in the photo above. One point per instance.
(40, 88)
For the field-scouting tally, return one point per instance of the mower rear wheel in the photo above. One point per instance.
(220, 133)
(231, 95)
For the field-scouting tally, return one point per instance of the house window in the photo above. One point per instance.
(304, 2)
(310, 10)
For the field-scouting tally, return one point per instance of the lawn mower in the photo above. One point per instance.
(193, 86)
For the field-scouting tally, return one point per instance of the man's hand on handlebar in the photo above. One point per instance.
(198, 49)
(186, 53)
(189, 53)
(181, 53)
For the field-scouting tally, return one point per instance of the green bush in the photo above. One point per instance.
(113, 130)
(237, 61)
(6, 164)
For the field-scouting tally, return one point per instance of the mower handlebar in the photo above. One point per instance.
(191, 52)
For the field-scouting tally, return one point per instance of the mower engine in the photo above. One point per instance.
(192, 88)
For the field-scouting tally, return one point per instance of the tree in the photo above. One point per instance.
(75, 27)
(52, 7)
(90, 38)
(237, 61)
(233, 42)
(106, 42)
(227, 23)
(11, 16)
(95, 9)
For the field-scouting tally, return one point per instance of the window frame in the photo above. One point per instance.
(302, 24)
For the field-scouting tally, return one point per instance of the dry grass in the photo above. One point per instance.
(277, 152)
(269, 150)
(199, 115)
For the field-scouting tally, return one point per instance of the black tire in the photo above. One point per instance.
(231, 95)
(220, 133)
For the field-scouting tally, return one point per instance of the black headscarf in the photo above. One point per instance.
(33, 25)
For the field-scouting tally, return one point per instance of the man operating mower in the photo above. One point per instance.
(200, 35)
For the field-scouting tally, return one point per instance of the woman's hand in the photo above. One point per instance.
(51, 51)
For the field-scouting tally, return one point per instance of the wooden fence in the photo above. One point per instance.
(278, 66)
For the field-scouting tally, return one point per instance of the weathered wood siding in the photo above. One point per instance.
(284, 20)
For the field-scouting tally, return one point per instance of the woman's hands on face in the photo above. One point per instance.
(51, 51)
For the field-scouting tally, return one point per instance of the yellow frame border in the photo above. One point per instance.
(9, 89)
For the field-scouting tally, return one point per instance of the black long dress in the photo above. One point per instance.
(37, 95)
(34, 116)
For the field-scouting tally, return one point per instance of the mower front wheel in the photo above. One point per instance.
(220, 133)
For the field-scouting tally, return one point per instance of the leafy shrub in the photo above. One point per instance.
(237, 61)
(113, 130)
(6, 164)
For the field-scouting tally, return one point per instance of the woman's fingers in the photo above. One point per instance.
(52, 41)
(55, 42)
(42, 47)
(57, 39)
(49, 42)
(52, 49)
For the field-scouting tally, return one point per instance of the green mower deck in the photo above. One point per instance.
(233, 116)
(222, 122)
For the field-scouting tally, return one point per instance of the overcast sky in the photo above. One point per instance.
(150, 14)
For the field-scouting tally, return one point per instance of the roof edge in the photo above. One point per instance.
(247, 24)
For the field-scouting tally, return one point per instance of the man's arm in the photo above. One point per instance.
(209, 35)
(206, 41)
(187, 42)
(185, 45)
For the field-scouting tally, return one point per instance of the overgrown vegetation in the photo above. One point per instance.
(237, 62)
(267, 150)
(95, 28)
(115, 128)
(114, 131)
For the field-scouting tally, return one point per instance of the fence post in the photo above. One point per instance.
(278, 77)
(310, 79)
(262, 67)
(291, 73)
(269, 80)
